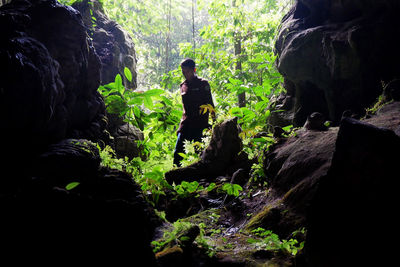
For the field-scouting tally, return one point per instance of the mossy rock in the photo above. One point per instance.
(170, 256)
(268, 215)
(278, 218)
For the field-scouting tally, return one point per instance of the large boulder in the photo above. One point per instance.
(222, 157)
(327, 180)
(71, 209)
(352, 218)
(335, 55)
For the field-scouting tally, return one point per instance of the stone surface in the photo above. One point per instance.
(220, 158)
(59, 206)
(103, 219)
(309, 189)
(113, 44)
(328, 60)
(116, 50)
(50, 74)
(351, 217)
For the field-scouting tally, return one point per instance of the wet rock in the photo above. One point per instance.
(240, 177)
(125, 143)
(172, 256)
(295, 168)
(392, 91)
(181, 207)
(3, 2)
(220, 158)
(315, 121)
(356, 199)
(69, 158)
(187, 237)
(388, 116)
(306, 156)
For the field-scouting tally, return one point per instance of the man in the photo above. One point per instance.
(195, 92)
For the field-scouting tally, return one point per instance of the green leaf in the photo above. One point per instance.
(128, 74)
(136, 112)
(135, 101)
(184, 238)
(118, 84)
(259, 140)
(153, 92)
(166, 101)
(236, 112)
(148, 102)
(235, 82)
(260, 106)
(237, 187)
(211, 187)
(72, 185)
(115, 104)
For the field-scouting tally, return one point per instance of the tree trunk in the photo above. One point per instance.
(193, 28)
(168, 38)
(237, 40)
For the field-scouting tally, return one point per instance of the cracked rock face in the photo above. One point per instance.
(336, 54)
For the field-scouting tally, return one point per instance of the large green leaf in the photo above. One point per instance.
(148, 102)
(153, 92)
(128, 74)
(118, 84)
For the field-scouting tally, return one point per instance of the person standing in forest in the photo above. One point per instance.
(197, 102)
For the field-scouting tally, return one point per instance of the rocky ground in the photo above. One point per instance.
(334, 188)
(225, 227)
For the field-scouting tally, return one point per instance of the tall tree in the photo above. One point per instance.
(193, 27)
(168, 37)
(237, 44)
(157, 28)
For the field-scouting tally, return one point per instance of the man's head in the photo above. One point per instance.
(188, 67)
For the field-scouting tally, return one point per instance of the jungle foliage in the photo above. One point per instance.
(157, 110)
(232, 44)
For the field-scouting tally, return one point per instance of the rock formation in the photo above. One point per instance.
(335, 55)
(59, 205)
(353, 206)
(341, 185)
(113, 44)
(220, 158)
(49, 80)
(116, 50)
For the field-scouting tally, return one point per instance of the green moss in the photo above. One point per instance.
(260, 219)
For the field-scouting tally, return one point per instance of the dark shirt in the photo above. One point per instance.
(194, 94)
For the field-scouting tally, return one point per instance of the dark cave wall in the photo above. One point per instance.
(50, 74)
(335, 56)
(50, 112)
